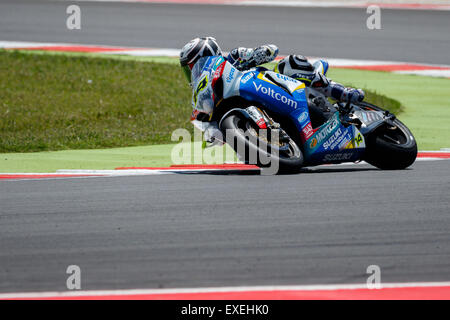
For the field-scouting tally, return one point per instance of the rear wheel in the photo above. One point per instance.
(254, 146)
(391, 146)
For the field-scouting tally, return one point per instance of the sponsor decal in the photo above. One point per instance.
(230, 76)
(208, 65)
(283, 77)
(322, 134)
(218, 62)
(261, 124)
(218, 73)
(351, 143)
(345, 142)
(338, 139)
(333, 138)
(313, 143)
(275, 95)
(346, 145)
(338, 157)
(200, 87)
(358, 139)
(287, 82)
(303, 117)
(246, 77)
(308, 131)
(202, 84)
(256, 116)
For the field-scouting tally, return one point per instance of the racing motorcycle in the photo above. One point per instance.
(272, 115)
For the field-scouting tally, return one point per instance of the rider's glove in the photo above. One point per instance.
(343, 94)
(246, 58)
(265, 54)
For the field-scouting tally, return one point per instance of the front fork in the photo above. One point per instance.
(262, 120)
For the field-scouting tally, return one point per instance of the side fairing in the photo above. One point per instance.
(334, 143)
(231, 78)
(280, 94)
(276, 96)
(203, 74)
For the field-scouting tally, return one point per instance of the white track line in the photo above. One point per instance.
(428, 73)
(87, 173)
(405, 5)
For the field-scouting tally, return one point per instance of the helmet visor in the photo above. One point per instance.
(187, 72)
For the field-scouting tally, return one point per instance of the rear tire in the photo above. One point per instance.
(241, 128)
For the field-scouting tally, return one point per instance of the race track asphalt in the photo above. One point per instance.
(406, 35)
(194, 230)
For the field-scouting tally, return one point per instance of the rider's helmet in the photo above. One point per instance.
(294, 66)
(196, 49)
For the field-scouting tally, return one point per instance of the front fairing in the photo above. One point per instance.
(202, 78)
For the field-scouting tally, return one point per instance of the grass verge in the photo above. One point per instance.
(101, 159)
(57, 102)
(148, 156)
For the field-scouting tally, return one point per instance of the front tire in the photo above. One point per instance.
(243, 132)
(390, 147)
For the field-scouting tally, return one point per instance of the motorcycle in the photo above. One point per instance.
(275, 117)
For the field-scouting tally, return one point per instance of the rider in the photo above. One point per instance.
(295, 66)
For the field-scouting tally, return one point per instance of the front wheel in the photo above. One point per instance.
(391, 146)
(255, 146)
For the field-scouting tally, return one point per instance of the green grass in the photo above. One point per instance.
(57, 102)
(166, 60)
